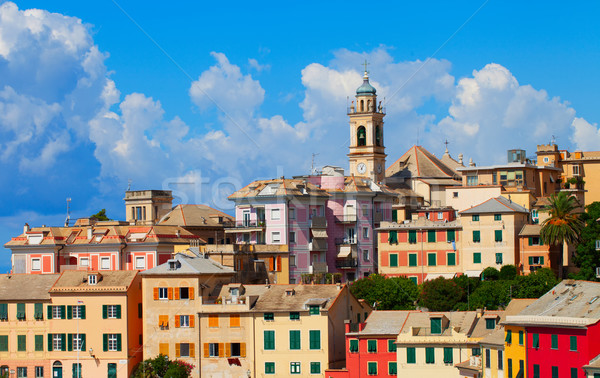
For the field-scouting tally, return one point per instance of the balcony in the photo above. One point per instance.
(318, 222)
(318, 245)
(377, 216)
(347, 263)
(345, 240)
(245, 223)
(318, 267)
(345, 218)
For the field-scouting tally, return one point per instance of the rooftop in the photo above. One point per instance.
(108, 281)
(12, 286)
(194, 216)
(188, 265)
(384, 323)
(417, 162)
(296, 297)
(496, 205)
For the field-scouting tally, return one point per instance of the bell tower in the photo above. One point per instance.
(367, 152)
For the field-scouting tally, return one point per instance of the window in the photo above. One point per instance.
(455, 194)
(520, 337)
(36, 264)
(294, 340)
(184, 350)
(393, 260)
(476, 257)
(365, 254)
(554, 341)
(185, 293)
(105, 263)
(213, 350)
(490, 323)
(488, 357)
(39, 343)
(448, 355)
(314, 310)
(392, 368)
(391, 345)
(21, 372)
(292, 236)
(21, 311)
(573, 344)
(372, 346)
(471, 180)
(292, 261)
(111, 311)
(411, 355)
(3, 311)
(497, 236)
(315, 368)
(140, 262)
(234, 320)
(476, 236)
(236, 350)
(508, 338)
(84, 261)
(269, 340)
(294, 367)
(314, 339)
(451, 259)
(269, 316)
(78, 341)
(275, 214)
(509, 363)
(412, 236)
(77, 312)
(414, 279)
(431, 236)
(58, 312)
(476, 351)
(39, 372)
(536, 371)
(213, 320)
(440, 215)
(574, 373)
(499, 258)
(113, 342)
(412, 259)
(92, 279)
(184, 320)
(269, 367)
(372, 368)
(21, 343)
(497, 217)
(575, 170)
(292, 213)
(554, 371)
(500, 361)
(436, 326)
(365, 233)
(535, 338)
(3, 343)
(450, 235)
(275, 237)
(429, 355)
(475, 217)
(361, 132)
(294, 316)
(432, 259)
(58, 341)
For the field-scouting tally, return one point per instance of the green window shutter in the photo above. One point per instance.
(118, 342)
(269, 340)
(70, 342)
(394, 216)
(3, 311)
(315, 339)
(476, 236)
(451, 259)
(372, 346)
(498, 235)
(412, 259)
(393, 237)
(541, 260)
(38, 343)
(412, 236)
(530, 260)
(520, 337)
(21, 311)
(499, 258)
(536, 340)
(50, 342)
(573, 343)
(411, 355)
(431, 259)
(269, 367)
(429, 355)
(448, 355)
(315, 368)
(497, 217)
(69, 312)
(105, 342)
(38, 311)
(436, 326)
(118, 311)
(530, 240)
(82, 311)
(63, 342)
(392, 368)
(49, 312)
(295, 339)
(393, 259)
(574, 373)
(391, 345)
(21, 343)
(294, 316)
(4, 343)
(450, 235)
(477, 258)
(82, 341)
(508, 337)
(490, 323)
(372, 368)
(62, 311)
(104, 311)
(354, 346)
(431, 236)
(536, 371)
(554, 371)
(554, 341)
(475, 218)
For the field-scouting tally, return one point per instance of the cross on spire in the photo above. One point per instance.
(365, 64)
(446, 143)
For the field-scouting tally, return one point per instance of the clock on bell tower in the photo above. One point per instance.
(367, 152)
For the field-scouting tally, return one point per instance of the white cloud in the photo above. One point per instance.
(586, 136)
(257, 66)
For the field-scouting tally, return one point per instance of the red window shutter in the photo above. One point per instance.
(177, 322)
(191, 291)
(170, 293)
(155, 293)
(192, 321)
(176, 293)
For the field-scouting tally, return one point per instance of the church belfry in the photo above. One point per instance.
(367, 152)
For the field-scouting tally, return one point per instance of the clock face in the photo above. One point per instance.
(361, 168)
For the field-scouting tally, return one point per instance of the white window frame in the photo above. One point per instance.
(365, 233)
(21, 372)
(576, 170)
(163, 293)
(77, 342)
(546, 159)
(39, 372)
(295, 367)
(292, 236)
(102, 261)
(92, 280)
(36, 265)
(56, 341)
(111, 311)
(275, 237)
(275, 214)
(76, 312)
(56, 312)
(366, 254)
(365, 211)
(184, 321)
(112, 342)
(440, 215)
(213, 350)
(292, 260)
(84, 261)
(138, 265)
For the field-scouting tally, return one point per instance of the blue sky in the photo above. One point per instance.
(201, 98)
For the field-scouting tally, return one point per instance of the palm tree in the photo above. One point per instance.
(563, 226)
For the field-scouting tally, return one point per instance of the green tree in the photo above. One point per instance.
(535, 285)
(101, 215)
(491, 295)
(440, 294)
(161, 367)
(490, 274)
(395, 293)
(508, 272)
(564, 225)
(586, 256)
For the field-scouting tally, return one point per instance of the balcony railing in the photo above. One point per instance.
(346, 263)
(245, 223)
(318, 222)
(318, 267)
(346, 240)
(345, 218)
(377, 216)
(318, 245)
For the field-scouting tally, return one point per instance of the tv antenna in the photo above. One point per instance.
(68, 212)
(312, 164)
(128, 185)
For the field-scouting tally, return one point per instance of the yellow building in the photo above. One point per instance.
(94, 324)
(23, 325)
(515, 361)
(172, 295)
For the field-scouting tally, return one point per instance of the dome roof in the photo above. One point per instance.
(366, 88)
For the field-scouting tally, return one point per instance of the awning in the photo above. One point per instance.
(433, 276)
(345, 251)
(241, 230)
(319, 233)
(473, 273)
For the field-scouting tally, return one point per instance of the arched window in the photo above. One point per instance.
(369, 106)
(361, 136)
(362, 105)
(378, 135)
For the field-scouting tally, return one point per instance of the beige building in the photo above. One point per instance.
(490, 235)
(172, 296)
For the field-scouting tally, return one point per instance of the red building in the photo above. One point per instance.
(562, 330)
(371, 346)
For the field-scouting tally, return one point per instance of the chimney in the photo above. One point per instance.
(26, 228)
(178, 233)
(460, 159)
(89, 232)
